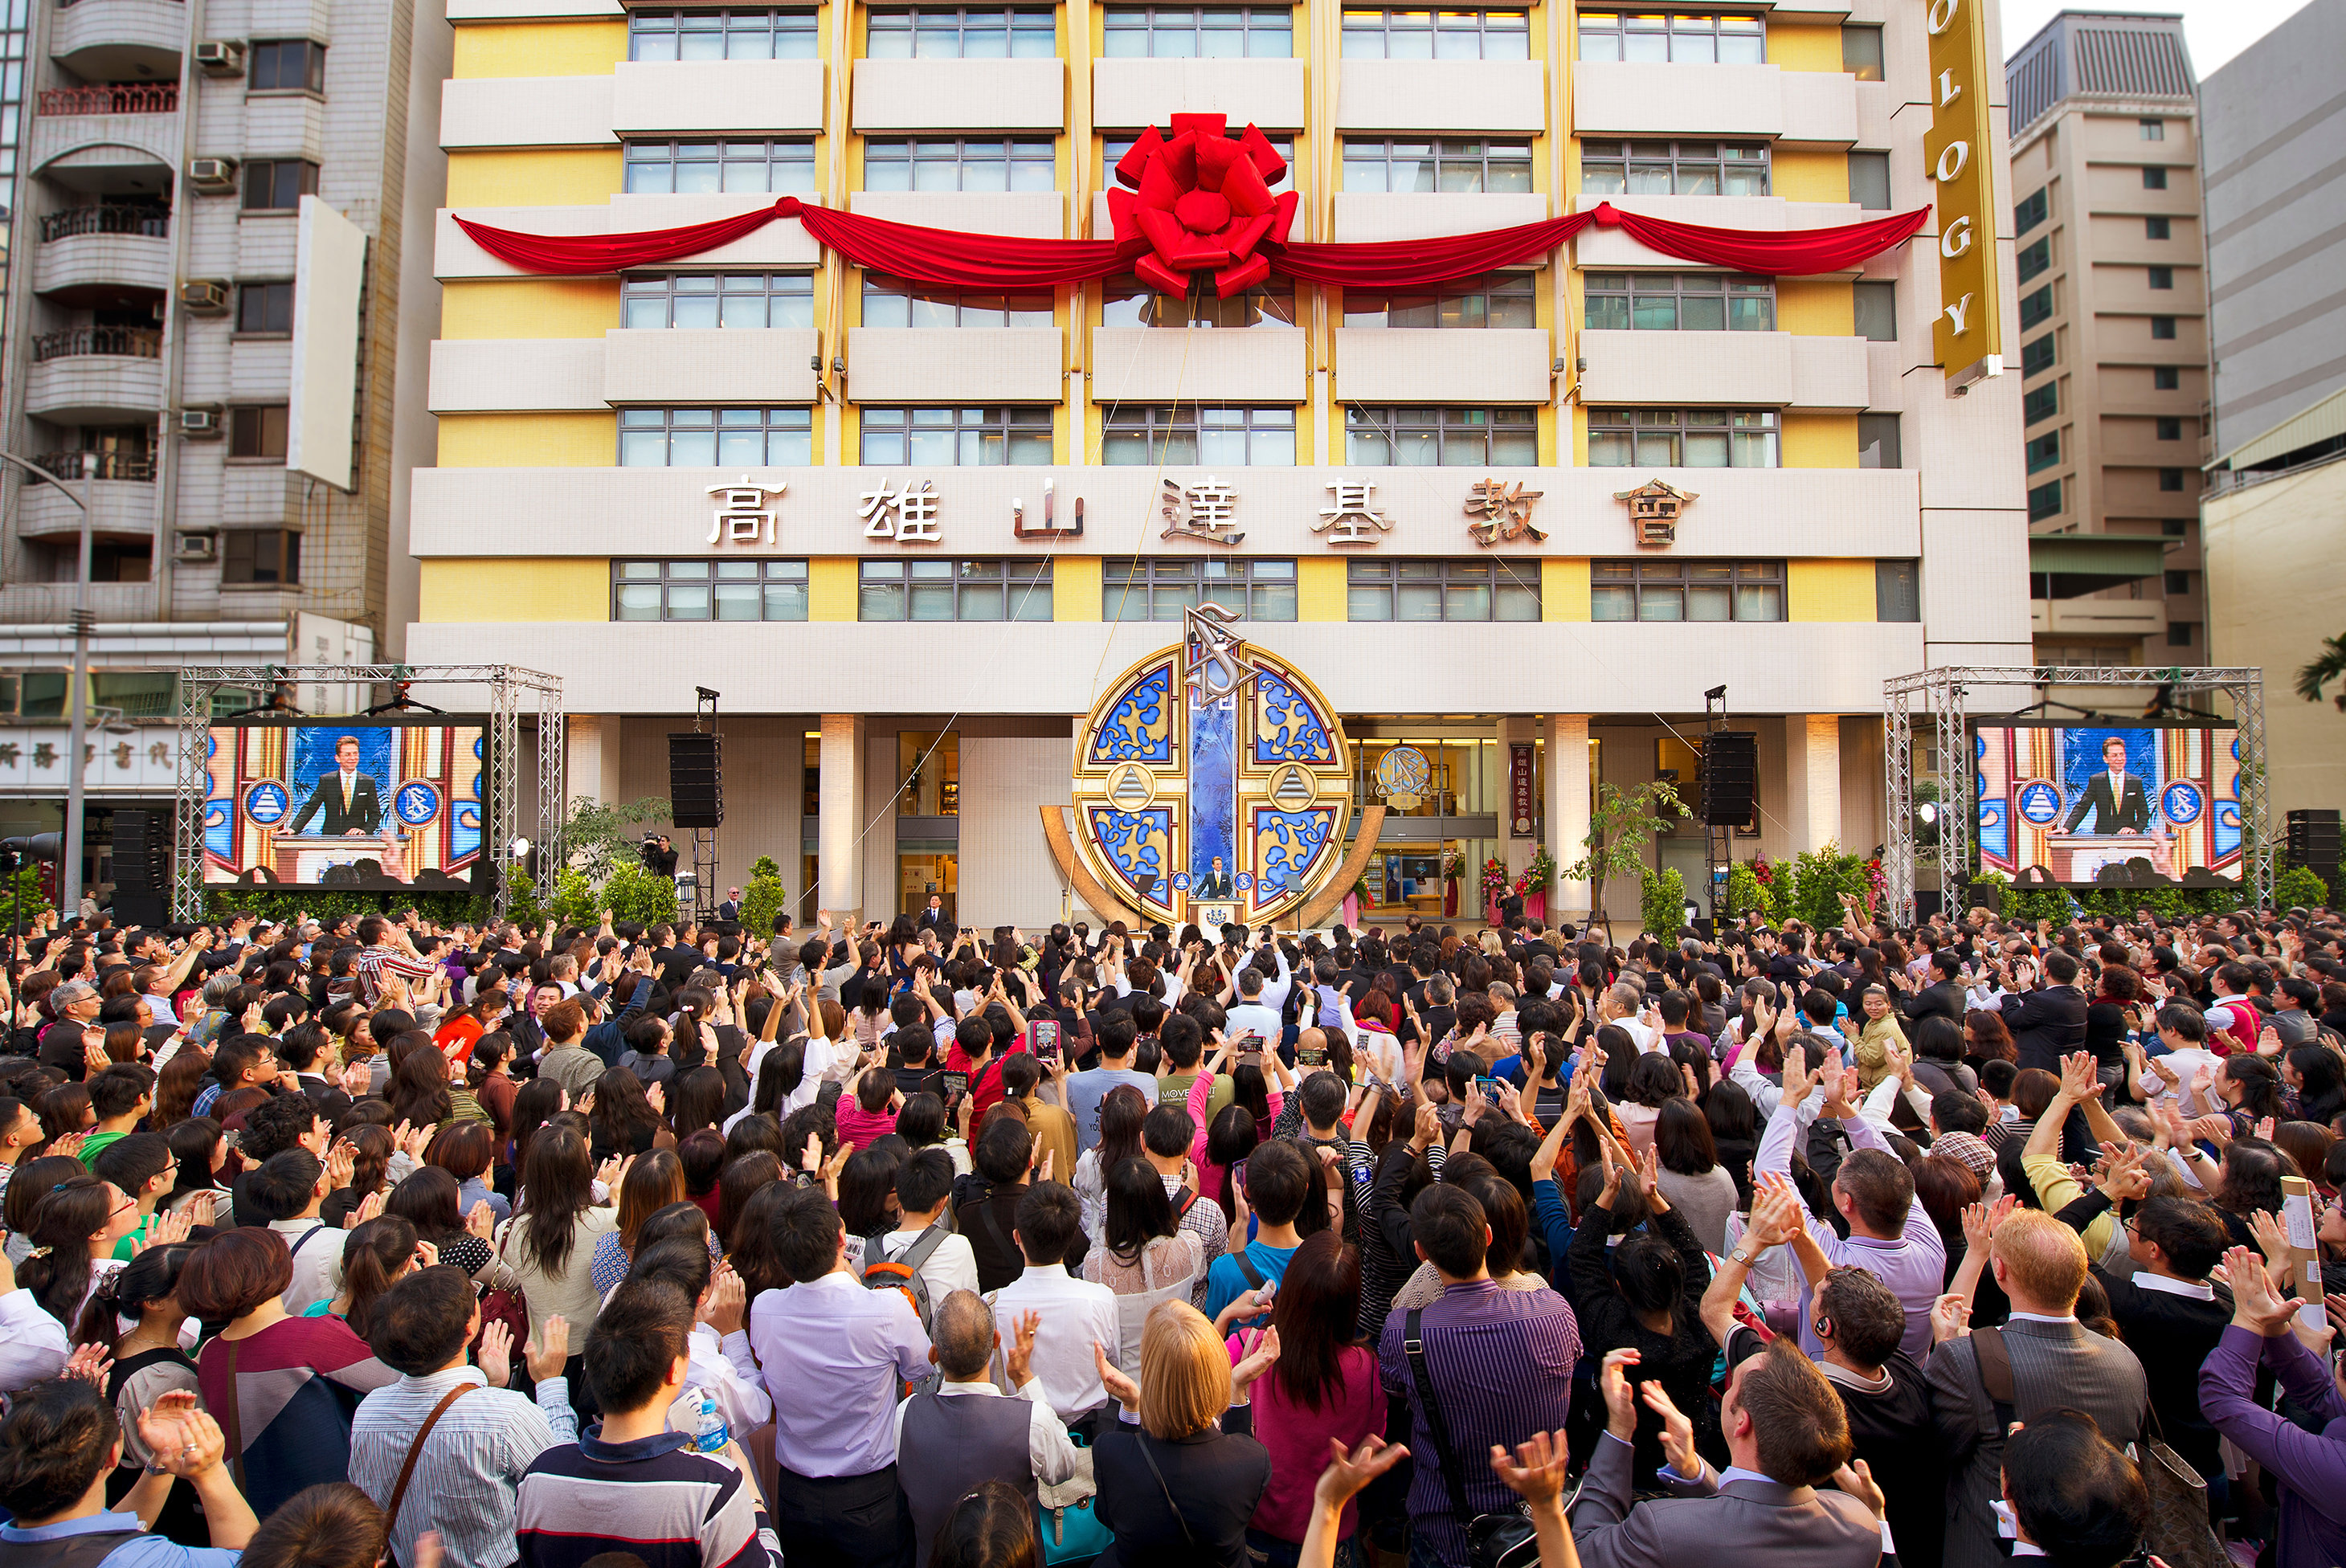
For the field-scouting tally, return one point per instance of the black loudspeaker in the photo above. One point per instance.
(1730, 775)
(2312, 843)
(142, 868)
(696, 780)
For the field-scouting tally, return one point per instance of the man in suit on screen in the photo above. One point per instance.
(346, 796)
(2114, 796)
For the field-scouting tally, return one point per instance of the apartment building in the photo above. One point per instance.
(897, 703)
(2113, 312)
(220, 237)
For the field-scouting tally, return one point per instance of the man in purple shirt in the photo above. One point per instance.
(1891, 1235)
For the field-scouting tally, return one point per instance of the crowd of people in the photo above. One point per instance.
(693, 1246)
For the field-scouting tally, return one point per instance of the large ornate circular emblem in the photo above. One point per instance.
(1403, 774)
(1212, 776)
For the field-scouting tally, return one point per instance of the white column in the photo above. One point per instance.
(1565, 736)
(840, 859)
(591, 742)
(1812, 779)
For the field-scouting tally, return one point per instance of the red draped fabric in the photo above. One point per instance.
(950, 258)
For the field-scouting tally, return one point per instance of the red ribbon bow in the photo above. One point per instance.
(1201, 200)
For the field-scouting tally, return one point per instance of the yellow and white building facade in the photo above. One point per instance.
(909, 534)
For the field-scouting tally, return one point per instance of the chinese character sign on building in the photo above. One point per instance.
(1521, 793)
(1958, 152)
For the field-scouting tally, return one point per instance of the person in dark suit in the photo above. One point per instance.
(2114, 797)
(934, 918)
(2048, 1023)
(1944, 997)
(1179, 1486)
(729, 909)
(346, 796)
(1216, 883)
(2053, 1362)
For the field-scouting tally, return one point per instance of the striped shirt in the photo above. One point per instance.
(655, 1497)
(375, 962)
(471, 1464)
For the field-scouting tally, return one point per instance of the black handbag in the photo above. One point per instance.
(1493, 1539)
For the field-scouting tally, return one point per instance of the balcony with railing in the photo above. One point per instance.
(127, 343)
(112, 98)
(96, 375)
(136, 467)
(95, 250)
(106, 218)
(119, 490)
(118, 40)
(112, 126)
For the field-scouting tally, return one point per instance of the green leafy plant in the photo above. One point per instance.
(1746, 893)
(574, 901)
(285, 903)
(598, 837)
(2298, 887)
(633, 893)
(1661, 901)
(1622, 827)
(522, 907)
(1818, 878)
(1539, 875)
(2313, 677)
(31, 895)
(763, 897)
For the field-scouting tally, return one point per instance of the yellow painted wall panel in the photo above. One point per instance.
(1810, 174)
(830, 588)
(533, 177)
(529, 307)
(507, 589)
(1076, 587)
(1835, 590)
(528, 440)
(1320, 593)
(1564, 589)
(1815, 306)
(1819, 440)
(1798, 47)
(574, 46)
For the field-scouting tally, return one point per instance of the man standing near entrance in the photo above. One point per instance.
(346, 796)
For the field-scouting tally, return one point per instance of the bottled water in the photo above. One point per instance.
(708, 1431)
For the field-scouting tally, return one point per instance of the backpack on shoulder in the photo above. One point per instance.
(882, 1272)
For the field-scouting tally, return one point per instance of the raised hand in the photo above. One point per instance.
(1620, 1400)
(1857, 1480)
(1347, 1475)
(724, 1302)
(2079, 1081)
(1120, 1389)
(1951, 1316)
(495, 1354)
(1257, 1361)
(481, 1221)
(1677, 1431)
(2255, 1305)
(1018, 1356)
(1536, 1471)
(90, 1364)
(547, 1355)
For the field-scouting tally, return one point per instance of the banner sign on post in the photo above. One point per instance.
(1520, 792)
(1958, 153)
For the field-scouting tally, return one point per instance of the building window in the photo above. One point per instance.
(277, 185)
(1897, 590)
(2179, 582)
(890, 303)
(2178, 634)
(2036, 355)
(1113, 148)
(2045, 501)
(2171, 479)
(2152, 130)
(1139, 589)
(257, 430)
(2154, 180)
(1129, 302)
(2040, 402)
(1182, 33)
(1500, 300)
(708, 590)
(1441, 437)
(2174, 527)
(1437, 35)
(1877, 312)
(2028, 212)
(1445, 166)
(737, 300)
(2043, 452)
(700, 168)
(286, 65)
(1682, 38)
(2034, 258)
(934, 33)
(1686, 590)
(264, 307)
(1877, 442)
(721, 34)
(260, 558)
(1680, 302)
(2166, 377)
(1682, 438)
(1189, 435)
(2162, 328)
(930, 590)
(2170, 430)
(2159, 228)
(716, 437)
(956, 437)
(2036, 307)
(1674, 167)
(1861, 52)
(969, 164)
(2162, 277)
(1421, 591)
(1869, 181)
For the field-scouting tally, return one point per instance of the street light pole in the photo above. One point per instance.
(70, 843)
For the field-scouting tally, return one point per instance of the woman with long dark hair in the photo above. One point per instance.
(376, 1256)
(551, 1243)
(696, 1101)
(536, 1103)
(624, 1120)
(744, 1178)
(201, 1151)
(148, 1362)
(1145, 1248)
(1121, 1113)
(74, 1227)
(1734, 1124)
(490, 1075)
(653, 1182)
(750, 1245)
(1692, 1178)
(182, 1078)
(428, 1200)
(2317, 1083)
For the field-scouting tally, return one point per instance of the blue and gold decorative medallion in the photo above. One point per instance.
(1212, 773)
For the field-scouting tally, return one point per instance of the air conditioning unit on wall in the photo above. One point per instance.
(202, 423)
(221, 57)
(194, 547)
(205, 296)
(212, 176)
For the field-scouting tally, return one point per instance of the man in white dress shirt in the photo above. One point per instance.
(1077, 1313)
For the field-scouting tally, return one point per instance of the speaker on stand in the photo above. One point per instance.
(142, 868)
(695, 793)
(2313, 843)
(1731, 778)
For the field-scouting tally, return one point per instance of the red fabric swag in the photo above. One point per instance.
(950, 258)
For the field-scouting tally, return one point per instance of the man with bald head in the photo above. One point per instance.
(954, 1438)
(2043, 1360)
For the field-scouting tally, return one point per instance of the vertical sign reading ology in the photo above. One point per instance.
(1957, 154)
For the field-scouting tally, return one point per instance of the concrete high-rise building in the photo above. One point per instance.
(2112, 308)
(895, 708)
(217, 306)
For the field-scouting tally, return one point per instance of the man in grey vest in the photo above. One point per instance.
(966, 1432)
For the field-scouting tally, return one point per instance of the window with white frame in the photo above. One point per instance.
(1186, 434)
(1194, 33)
(1441, 437)
(1682, 437)
(1500, 299)
(1127, 301)
(1679, 37)
(1450, 165)
(1420, 591)
(1681, 589)
(1137, 588)
(708, 590)
(1690, 167)
(967, 33)
(716, 437)
(721, 34)
(890, 302)
(969, 163)
(1390, 34)
(1680, 302)
(700, 167)
(767, 299)
(956, 437)
(932, 590)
